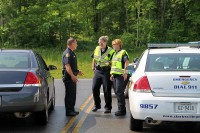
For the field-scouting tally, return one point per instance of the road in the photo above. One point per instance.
(87, 121)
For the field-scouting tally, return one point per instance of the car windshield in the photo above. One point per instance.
(173, 62)
(14, 60)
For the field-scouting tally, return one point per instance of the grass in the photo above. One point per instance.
(54, 57)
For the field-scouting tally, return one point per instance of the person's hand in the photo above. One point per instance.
(125, 75)
(74, 78)
(111, 77)
(107, 63)
(80, 73)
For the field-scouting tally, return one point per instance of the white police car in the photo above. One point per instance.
(166, 85)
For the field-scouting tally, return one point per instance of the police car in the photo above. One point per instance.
(165, 85)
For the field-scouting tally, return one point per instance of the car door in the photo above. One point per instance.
(44, 71)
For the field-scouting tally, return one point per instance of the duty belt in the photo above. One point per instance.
(105, 68)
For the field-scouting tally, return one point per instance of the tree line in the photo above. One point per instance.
(34, 23)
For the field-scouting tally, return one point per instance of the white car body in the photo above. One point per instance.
(173, 94)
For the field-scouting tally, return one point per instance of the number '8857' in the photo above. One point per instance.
(148, 106)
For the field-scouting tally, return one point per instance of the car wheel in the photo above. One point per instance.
(126, 90)
(135, 125)
(52, 107)
(42, 116)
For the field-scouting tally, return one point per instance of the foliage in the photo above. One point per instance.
(48, 23)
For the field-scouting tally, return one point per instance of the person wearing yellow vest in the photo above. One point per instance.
(119, 75)
(101, 66)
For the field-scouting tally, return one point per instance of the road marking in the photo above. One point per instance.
(80, 123)
(69, 124)
(86, 103)
(72, 120)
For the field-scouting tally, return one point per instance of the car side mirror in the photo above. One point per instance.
(52, 67)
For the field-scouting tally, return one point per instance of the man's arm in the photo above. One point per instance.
(69, 71)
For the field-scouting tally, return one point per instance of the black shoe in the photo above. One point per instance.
(71, 114)
(76, 112)
(120, 113)
(95, 109)
(107, 111)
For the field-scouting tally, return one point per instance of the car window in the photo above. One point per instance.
(173, 62)
(14, 60)
(138, 60)
(41, 62)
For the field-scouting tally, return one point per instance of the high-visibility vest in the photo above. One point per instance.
(101, 60)
(116, 67)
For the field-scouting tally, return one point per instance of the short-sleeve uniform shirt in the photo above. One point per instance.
(69, 57)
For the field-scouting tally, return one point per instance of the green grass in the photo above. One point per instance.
(54, 56)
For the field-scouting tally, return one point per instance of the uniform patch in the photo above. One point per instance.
(67, 55)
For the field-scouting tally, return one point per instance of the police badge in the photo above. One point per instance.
(67, 55)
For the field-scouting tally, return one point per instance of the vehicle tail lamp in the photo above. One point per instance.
(142, 85)
(32, 79)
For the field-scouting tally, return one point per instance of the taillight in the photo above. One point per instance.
(142, 85)
(31, 79)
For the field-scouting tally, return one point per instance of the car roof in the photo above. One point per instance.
(174, 50)
(16, 50)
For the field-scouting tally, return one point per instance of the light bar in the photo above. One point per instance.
(197, 42)
(168, 45)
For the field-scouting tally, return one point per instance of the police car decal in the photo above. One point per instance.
(148, 106)
(182, 116)
(185, 83)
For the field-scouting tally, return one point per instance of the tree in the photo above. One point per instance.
(31, 23)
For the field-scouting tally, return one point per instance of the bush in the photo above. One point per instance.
(128, 40)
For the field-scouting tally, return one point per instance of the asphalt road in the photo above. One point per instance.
(87, 121)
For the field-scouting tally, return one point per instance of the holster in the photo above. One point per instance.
(65, 75)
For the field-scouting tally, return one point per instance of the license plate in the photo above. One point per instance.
(185, 107)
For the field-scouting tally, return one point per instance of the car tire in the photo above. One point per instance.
(42, 116)
(135, 125)
(126, 90)
(52, 107)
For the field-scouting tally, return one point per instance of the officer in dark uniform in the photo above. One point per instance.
(101, 65)
(70, 72)
(119, 74)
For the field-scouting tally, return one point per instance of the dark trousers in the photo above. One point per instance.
(70, 95)
(102, 78)
(119, 86)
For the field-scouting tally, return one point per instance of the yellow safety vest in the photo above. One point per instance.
(116, 67)
(101, 60)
